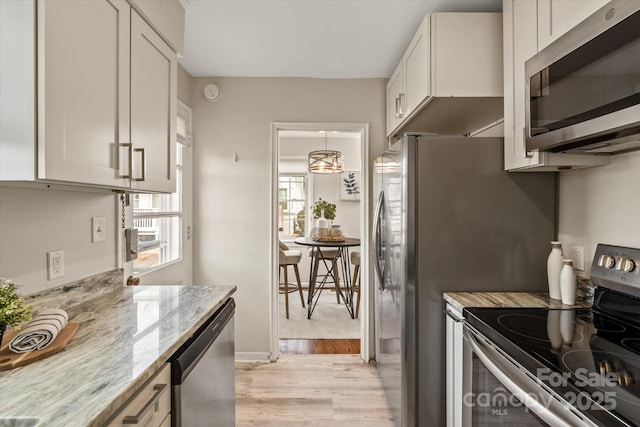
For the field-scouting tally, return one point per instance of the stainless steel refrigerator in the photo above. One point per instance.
(448, 218)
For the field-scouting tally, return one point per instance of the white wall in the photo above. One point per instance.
(601, 205)
(36, 221)
(232, 199)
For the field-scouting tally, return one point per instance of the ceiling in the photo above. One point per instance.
(306, 38)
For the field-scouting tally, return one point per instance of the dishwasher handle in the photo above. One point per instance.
(189, 354)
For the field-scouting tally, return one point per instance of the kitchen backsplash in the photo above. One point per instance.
(36, 221)
(600, 205)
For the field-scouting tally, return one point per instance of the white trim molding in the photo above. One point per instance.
(365, 311)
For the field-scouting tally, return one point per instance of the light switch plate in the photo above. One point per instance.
(577, 255)
(98, 224)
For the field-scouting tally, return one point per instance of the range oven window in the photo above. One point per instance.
(600, 77)
(493, 405)
(498, 391)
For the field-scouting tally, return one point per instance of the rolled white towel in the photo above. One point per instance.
(40, 331)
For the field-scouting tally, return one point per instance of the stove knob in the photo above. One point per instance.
(627, 265)
(605, 367)
(625, 379)
(606, 261)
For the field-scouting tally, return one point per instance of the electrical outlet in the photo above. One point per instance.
(55, 263)
(577, 255)
(98, 224)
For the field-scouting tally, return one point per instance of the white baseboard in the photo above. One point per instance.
(250, 356)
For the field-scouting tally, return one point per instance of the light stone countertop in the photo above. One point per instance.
(125, 336)
(460, 300)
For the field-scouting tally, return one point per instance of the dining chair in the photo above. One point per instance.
(355, 260)
(289, 257)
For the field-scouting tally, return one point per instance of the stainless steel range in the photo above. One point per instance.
(560, 367)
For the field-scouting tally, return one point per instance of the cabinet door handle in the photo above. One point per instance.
(129, 147)
(399, 112)
(135, 419)
(143, 168)
(401, 98)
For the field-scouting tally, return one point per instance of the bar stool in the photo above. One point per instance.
(355, 260)
(289, 257)
(329, 255)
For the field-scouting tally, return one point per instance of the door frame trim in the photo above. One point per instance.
(365, 200)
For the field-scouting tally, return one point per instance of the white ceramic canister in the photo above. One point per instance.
(322, 225)
(568, 283)
(554, 266)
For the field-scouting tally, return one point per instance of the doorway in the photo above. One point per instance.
(294, 191)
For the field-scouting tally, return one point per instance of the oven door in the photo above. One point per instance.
(497, 391)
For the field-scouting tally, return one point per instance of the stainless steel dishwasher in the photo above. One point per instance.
(202, 374)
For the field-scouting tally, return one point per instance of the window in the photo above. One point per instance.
(158, 217)
(292, 205)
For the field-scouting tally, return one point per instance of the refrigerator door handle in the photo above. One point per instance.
(377, 241)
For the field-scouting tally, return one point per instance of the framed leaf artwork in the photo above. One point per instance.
(350, 186)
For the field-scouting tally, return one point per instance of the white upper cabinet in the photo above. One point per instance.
(395, 98)
(166, 17)
(416, 72)
(443, 61)
(556, 17)
(409, 84)
(521, 26)
(103, 113)
(83, 90)
(154, 69)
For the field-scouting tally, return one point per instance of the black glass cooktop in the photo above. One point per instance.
(579, 353)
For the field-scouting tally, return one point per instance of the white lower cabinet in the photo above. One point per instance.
(150, 406)
(454, 365)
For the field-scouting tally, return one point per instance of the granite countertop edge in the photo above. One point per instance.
(461, 300)
(126, 335)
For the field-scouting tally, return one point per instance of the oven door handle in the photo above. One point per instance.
(532, 395)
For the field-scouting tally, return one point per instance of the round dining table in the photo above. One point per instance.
(341, 258)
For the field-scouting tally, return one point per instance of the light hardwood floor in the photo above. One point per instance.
(310, 390)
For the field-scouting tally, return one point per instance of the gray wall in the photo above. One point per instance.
(232, 200)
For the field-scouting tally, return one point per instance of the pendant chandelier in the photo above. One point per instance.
(326, 161)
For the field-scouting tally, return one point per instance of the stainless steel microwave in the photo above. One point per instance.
(584, 88)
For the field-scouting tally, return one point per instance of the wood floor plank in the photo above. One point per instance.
(310, 390)
(320, 346)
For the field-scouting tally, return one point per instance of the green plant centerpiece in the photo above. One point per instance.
(328, 208)
(13, 310)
